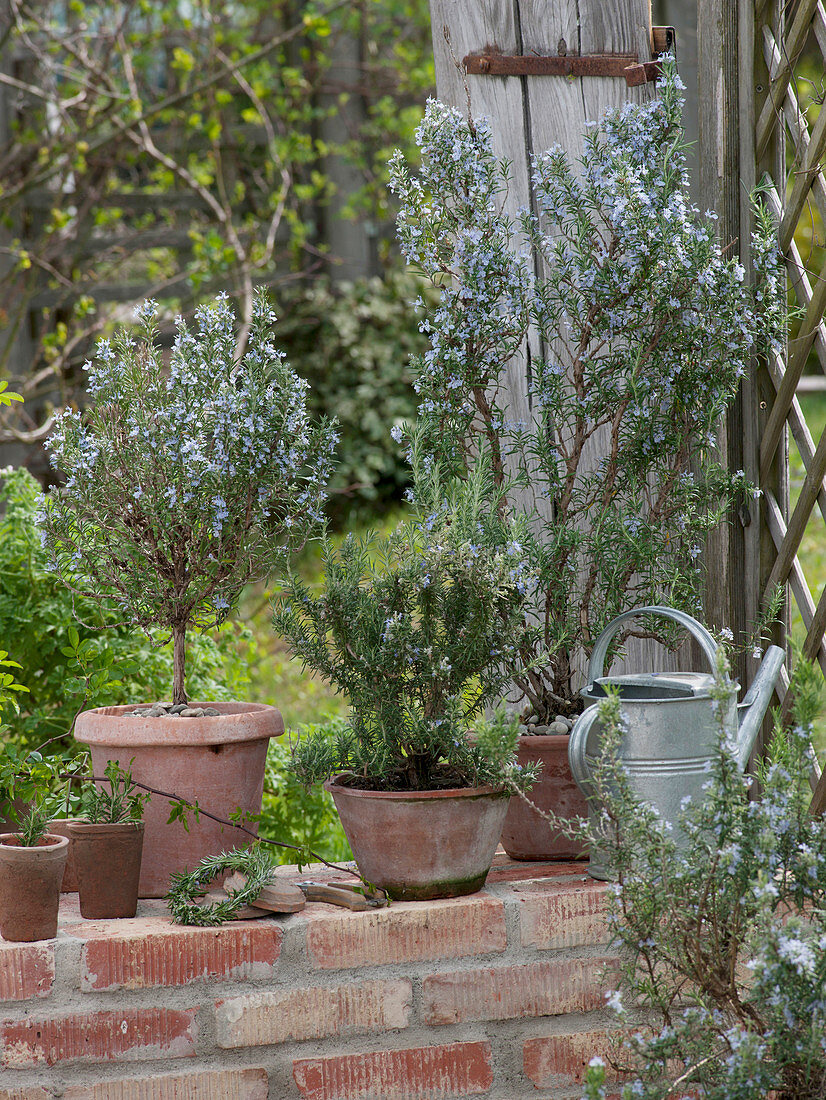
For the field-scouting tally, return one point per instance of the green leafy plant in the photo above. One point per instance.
(642, 329)
(194, 151)
(185, 482)
(115, 801)
(417, 641)
(722, 934)
(33, 827)
(298, 814)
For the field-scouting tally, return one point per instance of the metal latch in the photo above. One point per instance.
(492, 62)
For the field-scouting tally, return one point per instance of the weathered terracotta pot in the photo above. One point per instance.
(422, 844)
(525, 835)
(108, 862)
(30, 887)
(217, 761)
(60, 827)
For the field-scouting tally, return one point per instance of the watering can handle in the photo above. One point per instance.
(697, 631)
(576, 746)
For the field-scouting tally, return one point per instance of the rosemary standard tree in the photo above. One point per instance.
(646, 329)
(417, 631)
(184, 481)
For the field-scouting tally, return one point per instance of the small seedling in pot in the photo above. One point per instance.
(33, 826)
(116, 803)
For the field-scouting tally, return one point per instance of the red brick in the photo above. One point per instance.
(129, 1035)
(228, 1084)
(407, 932)
(257, 1019)
(555, 915)
(563, 1059)
(510, 992)
(148, 953)
(26, 970)
(456, 1069)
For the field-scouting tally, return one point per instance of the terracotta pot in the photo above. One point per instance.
(108, 862)
(525, 835)
(60, 827)
(30, 887)
(422, 844)
(217, 761)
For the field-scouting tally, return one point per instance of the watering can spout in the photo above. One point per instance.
(756, 702)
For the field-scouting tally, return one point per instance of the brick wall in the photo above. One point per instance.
(497, 995)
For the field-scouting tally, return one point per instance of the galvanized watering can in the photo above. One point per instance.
(672, 729)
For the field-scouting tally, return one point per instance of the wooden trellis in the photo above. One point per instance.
(789, 116)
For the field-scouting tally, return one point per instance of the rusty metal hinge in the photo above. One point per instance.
(492, 62)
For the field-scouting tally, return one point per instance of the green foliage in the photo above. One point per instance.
(722, 926)
(60, 639)
(119, 802)
(189, 150)
(646, 328)
(353, 343)
(295, 813)
(416, 641)
(7, 396)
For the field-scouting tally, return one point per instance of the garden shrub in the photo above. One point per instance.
(353, 341)
(723, 936)
(644, 328)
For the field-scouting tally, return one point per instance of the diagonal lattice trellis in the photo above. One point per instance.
(785, 34)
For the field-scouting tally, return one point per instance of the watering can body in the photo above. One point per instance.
(671, 725)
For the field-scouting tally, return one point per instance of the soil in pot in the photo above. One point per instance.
(108, 863)
(30, 887)
(526, 835)
(418, 845)
(217, 761)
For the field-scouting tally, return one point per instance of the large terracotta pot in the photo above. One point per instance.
(30, 887)
(422, 844)
(525, 834)
(108, 861)
(217, 761)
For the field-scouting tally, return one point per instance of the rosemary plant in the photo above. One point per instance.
(187, 479)
(117, 802)
(417, 631)
(723, 936)
(642, 329)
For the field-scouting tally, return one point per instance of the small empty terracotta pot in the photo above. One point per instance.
(30, 887)
(108, 865)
